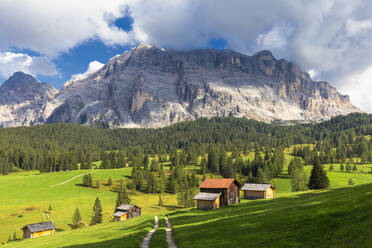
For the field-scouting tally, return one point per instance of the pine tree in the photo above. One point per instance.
(97, 213)
(298, 180)
(109, 181)
(318, 178)
(76, 218)
(123, 197)
(351, 182)
(160, 204)
(261, 176)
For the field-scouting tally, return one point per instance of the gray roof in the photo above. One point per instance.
(39, 227)
(256, 186)
(125, 207)
(206, 196)
(119, 213)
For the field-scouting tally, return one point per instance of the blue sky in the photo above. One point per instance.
(54, 40)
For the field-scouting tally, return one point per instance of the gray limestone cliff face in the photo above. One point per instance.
(152, 87)
(23, 100)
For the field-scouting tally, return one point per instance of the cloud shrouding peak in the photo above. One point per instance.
(93, 67)
(330, 37)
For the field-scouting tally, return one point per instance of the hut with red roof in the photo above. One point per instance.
(215, 193)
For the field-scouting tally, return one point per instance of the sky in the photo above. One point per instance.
(55, 40)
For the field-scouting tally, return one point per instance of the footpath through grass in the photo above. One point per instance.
(335, 218)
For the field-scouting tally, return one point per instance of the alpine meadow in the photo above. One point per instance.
(185, 124)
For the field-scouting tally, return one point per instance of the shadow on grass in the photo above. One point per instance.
(333, 218)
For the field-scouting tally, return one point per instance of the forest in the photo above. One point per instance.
(59, 147)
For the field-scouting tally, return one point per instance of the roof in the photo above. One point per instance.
(218, 183)
(125, 207)
(119, 214)
(206, 196)
(39, 227)
(257, 186)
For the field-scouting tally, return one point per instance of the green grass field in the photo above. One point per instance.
(333, 218)
(113, 234)
(24, 196)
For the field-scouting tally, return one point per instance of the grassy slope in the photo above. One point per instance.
(25, 195)
(118, 234)
(334, 218)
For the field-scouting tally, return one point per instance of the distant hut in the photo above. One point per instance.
(217, 192)
(38, 230)
(126, 211)
(258, 191)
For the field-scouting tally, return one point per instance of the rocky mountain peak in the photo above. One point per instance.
(151, 87)
(23, 99)
(19, 81)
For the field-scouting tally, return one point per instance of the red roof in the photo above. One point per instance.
(217, 183)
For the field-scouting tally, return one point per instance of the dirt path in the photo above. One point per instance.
(71, 179)
(168, 234)
(146, 240)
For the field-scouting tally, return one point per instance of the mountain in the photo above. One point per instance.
(23, 100)
(152, 87)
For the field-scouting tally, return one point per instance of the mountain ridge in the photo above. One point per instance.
(152, 87)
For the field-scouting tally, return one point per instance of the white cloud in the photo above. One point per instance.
(93, 67)
(11, 62)
(331, 37)
(276, 38)
(53, 26)
(359, 88)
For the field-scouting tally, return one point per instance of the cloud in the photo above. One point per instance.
(11, 62)
(53, 26)
(93, 67)
(330, 37)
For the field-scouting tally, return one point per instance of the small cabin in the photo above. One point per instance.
(126, 212)
(38, 230)
(207, 200)
(215, 193)
(258, 191)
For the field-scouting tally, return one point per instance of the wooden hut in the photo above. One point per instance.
(126, 211)
(218, 192)
(38, 230)
(258, 191)
(207, 200)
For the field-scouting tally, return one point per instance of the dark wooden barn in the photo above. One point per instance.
(126, 211)
(227, 190)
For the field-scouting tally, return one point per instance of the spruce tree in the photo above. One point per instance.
(76, 218)
(97, 213)
(261, 176)
(298, 180)
(351, 182)
(160, 204)
(318, 178)
(109, 181)
(123, 197)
